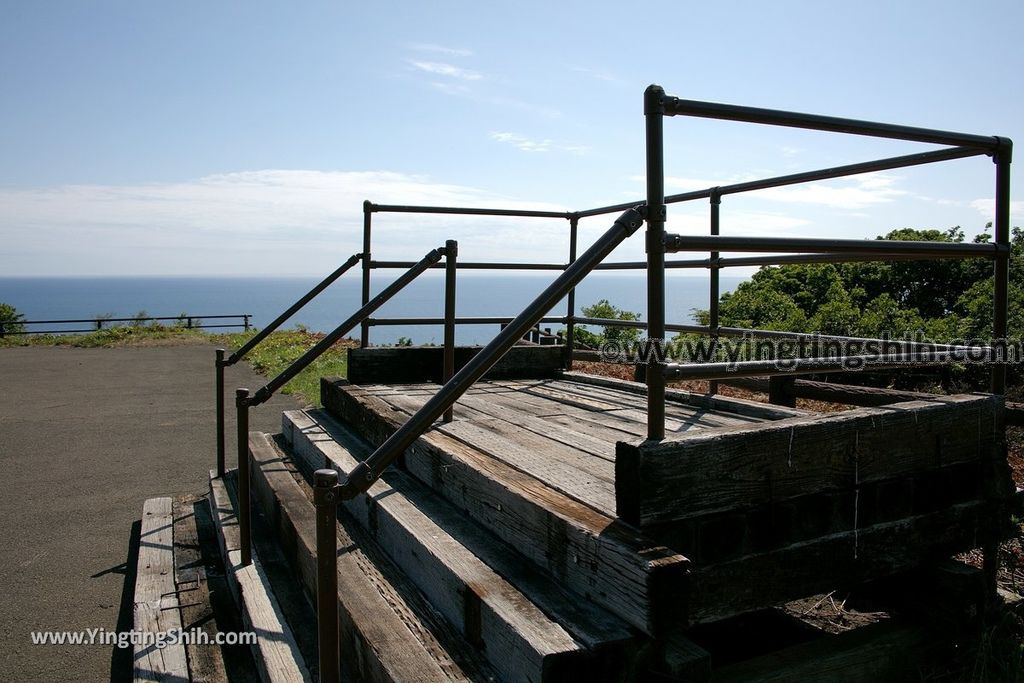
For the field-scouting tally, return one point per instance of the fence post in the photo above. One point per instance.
(244, 529)
(713, 281)
(325, 498)
(451, 248)
(245, 319)
(364, 297)
(780, 391)
(219, 365)
(654, 112)
(570, 324)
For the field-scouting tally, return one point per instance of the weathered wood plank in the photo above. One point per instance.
(388, 365)
(886, 651)
(736, 467)
(594, 555)
(841, 559)
(427, 539)
(206, 662)
(156, 607)
(277, 656)
(387, 631)
(727, 404)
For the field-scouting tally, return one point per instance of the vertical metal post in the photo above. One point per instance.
(570, 323)
(1000, 298)
(1001, 272)
(245, 320)
(219, 364)
(780, 390)
(654, 112)
(325, 498)
(244, 528)
(713, 284)
(451, 248)
(364, 328)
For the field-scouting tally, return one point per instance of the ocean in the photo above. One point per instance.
(478, 294)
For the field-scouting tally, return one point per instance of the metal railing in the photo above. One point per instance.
(658, 243)
(14, 327)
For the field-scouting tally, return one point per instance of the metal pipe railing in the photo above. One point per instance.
(674, 106)
(676, 243)
(99, 322)
(466, 320)
(293, 309)
(344, 328)
(367, 471)
(450, 266)
(654, 116)
(474, 265)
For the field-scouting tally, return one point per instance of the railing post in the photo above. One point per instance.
(364, 328)
(654, 112)
(219, 365)
(780, 390)
(325, 498)
(245, 320)
(713, 282)
(451, 248)
(244, 528)
(570, 323)
(1000, 301)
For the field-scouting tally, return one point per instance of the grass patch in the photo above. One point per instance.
(269, 358)
(277, 352)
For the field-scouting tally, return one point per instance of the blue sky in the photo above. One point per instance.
(241, 137)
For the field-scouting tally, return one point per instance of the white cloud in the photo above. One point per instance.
(448, 70)
(440, 49)
(596, 74)
(273, 221)
(526, 144)
(852, 193)
(987, 208)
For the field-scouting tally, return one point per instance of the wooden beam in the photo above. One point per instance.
(389, 365)
(715, 470)
(593, 554)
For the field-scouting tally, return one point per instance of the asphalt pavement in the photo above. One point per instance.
(86, 436)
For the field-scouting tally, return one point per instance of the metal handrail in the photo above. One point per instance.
(305, 299)
(367, 471)
(98, 322)
(301, 363)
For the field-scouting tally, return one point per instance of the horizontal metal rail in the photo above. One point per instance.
(466, 211)
(475, 265)
(367, 471)
(479, 320)
(309, 296)
(676, 243)
(673, 106)
(344, 328)
(99, 322)
(799, 366)
(888, 164)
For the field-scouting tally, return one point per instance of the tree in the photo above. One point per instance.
(10, 319)
(609, 334)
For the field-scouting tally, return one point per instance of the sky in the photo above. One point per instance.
(241, 138)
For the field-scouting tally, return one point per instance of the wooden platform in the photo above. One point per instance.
(742, 506)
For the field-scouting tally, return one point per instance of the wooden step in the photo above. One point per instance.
(589, 552)
(525, 623)
(276, 653)
(156, 607)
(388, 632)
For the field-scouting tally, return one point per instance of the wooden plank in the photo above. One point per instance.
(841, 559)
(277, 656)
(155, 609)
(885, 651)
(388, 365)
(592, 554)
(726, 404)
(387, 634)
(206, 662)
(428, 539)
(736, 467)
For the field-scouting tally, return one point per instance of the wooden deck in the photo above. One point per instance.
(564, 431)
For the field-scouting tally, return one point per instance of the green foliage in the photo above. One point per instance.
(139, 319)
(620, 335)
(404, 341)
(948, 299)
(11, 319)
